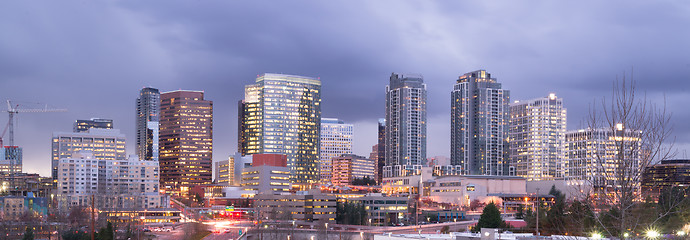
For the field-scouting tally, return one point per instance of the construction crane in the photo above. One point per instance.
(13, 109)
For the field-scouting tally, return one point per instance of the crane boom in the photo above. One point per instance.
(13, 109)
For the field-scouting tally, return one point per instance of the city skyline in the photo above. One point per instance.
(575, 57)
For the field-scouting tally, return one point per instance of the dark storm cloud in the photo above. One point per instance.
(93, 57)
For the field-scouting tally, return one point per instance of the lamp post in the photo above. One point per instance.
(326, 230)
(537, 209)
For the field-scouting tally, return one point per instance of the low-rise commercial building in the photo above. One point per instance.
(382, 209)
(268, 174)
(666, 174)
(146, 216)
(14, 207)
(304, 207)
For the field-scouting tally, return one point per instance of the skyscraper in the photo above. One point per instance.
(148, 117)
(336, 140)
(479, 125)
(281, 114)
(84, 125)
(380, 151)
(405, 142)
(537, 138)
(186, 140)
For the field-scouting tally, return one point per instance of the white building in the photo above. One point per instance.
(114, 184)
(537, 138)
(592, 155)
(268, 174)
(104, 144)
(336, 140)
(229, 172)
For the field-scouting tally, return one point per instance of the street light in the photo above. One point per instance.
(652, 234)
(596, 236)
(361, 235)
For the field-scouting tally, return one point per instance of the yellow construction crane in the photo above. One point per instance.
(13, 109)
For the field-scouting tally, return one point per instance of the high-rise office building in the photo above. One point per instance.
(405, 142)
(147, 119)
(380, 150)
(84, 125)
(592, 156)
(537, 138)
(336, 140)
(479, 125)
(281, 114)
(105, 144)
(186, 141)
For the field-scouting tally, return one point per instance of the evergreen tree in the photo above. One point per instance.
(490, 218)
(28, 234)
(555, 221)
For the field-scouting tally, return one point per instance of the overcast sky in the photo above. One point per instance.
(92, 57)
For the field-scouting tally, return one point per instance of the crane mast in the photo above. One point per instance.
(12, 154)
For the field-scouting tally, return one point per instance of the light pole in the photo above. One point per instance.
(326, 230)
(361, 235)
(537, 209)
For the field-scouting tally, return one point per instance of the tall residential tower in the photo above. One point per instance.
(479, 125)
(186, 141)
(148, 117)
(537, 138)
(281, 114)
(405, 142)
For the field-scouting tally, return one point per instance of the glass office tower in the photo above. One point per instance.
(281, 114)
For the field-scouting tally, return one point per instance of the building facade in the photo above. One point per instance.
(479, 125)
(84, 125)
(105, 144)
(25, 183)
(281, 114)
(336, 140)
(147, 120)
(268, 174)
(225, 172)
(537, 138)
(11, 159)
(593, 158)
(305, 207)
(665, 175)
(380, 149)
(405, 142)
(348, 167)
(383, 210)
(113, 184)
(186, 141)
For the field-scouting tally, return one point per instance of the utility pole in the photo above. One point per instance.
(537, 208)
(93, 227)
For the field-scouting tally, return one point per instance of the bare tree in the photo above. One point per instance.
(635, 133)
